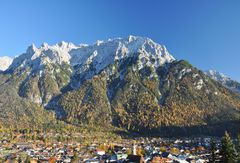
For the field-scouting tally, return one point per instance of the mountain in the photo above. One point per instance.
(5, 62)
(132, 83)
(49, 68)
(224, 80)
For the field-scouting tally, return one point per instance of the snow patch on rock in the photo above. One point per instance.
(5, 62)
(199, 84)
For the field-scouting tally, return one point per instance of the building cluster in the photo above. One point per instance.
(144, 150)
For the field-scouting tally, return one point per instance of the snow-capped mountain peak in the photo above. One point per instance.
(103, 53)
(131, 38)
(217, 76)
(37, 57)
(224, 80)
(99, 55)
(5, 62)
(31, 49)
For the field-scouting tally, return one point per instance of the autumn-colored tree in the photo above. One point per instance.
(52, 160)
(175, 151)
(140, 151)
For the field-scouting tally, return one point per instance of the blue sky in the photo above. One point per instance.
(204, 32)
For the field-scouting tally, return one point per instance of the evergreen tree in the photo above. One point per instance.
(238, 147)
(228, 151)
(213, 151)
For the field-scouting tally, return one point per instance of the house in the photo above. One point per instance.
(112, 158)
(100, 152)
(23, 145)
(160, 160)
(121, 156)
(67, 160)
(201, 161)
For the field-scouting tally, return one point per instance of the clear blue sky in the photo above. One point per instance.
(204, 32)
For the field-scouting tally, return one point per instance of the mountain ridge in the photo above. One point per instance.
(83, 62)
(224, 80)
(59, 52)
(132, 83)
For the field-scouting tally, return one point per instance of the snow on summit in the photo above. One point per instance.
(37, 57)
(103, 53)
(99, 55)
(217, 76)
(5, 62)
(224, 80)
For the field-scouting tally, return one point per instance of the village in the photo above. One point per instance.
(153, 150)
